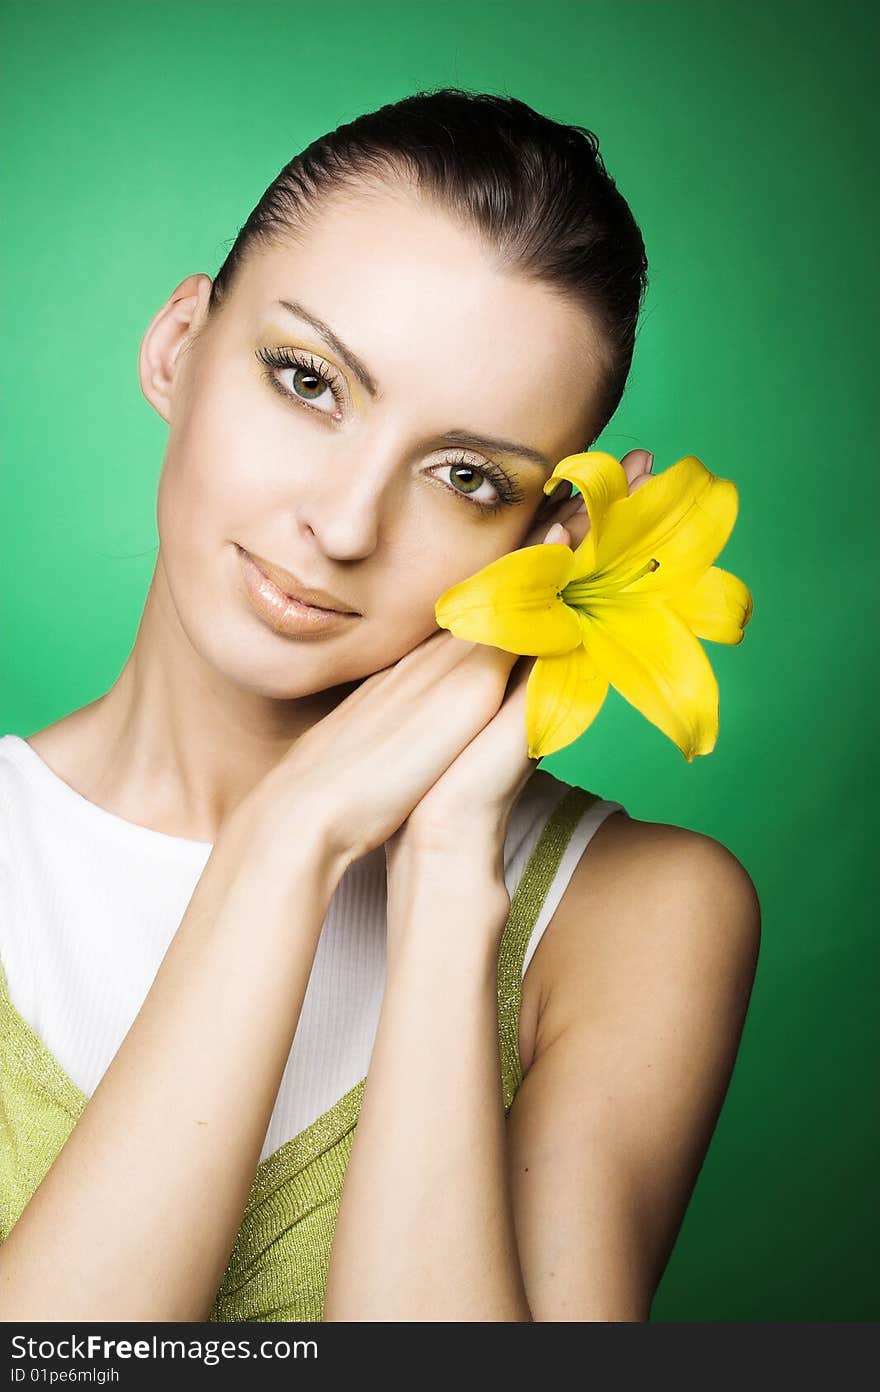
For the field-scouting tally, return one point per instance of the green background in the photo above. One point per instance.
(135, 141)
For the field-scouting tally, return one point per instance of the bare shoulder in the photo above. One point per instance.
(647, 902)
(69, 745)
(646, 970)
(634, 858)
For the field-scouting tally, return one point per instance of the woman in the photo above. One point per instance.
(426, 311)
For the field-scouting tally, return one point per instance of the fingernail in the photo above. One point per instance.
(555, 533)
(650, 464)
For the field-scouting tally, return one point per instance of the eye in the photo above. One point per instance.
(312, 378)
(470, 479)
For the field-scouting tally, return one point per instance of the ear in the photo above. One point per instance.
(169, 331)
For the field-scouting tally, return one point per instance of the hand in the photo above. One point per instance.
(347, 783)
(356, 776)
(472, 801)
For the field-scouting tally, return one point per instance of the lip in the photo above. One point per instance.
(287, 613)
(291, 585)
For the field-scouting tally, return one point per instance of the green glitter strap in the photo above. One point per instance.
(525, 906)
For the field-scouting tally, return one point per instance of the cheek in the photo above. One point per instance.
(417, 579)
(212, 481)
(468, 551)
(189, 505)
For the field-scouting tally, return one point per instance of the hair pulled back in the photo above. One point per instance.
(534, 189)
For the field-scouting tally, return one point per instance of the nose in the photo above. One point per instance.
(345, 513)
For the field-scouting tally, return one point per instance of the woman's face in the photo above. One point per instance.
(377, 485)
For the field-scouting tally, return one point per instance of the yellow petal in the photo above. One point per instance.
(563, 696)
(513, 603)
(602, 481)
(717, 605)
(652, 658)
(682, 518)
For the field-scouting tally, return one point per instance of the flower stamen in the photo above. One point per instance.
(594, 586)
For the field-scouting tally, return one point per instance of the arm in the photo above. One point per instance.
(637, 1041)
(648, 967)
(137, 1216)
(139, 1212)
(425, 1224)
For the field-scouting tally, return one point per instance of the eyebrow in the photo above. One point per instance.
(369, 383)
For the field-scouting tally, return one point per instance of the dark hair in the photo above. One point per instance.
(536, 190)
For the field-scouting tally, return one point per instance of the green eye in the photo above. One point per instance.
(507, 493)
(319, 384)
(304, 367)
(468, 469)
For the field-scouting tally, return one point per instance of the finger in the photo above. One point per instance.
(574, 515)
(639, 481)
(635, 462)
(571, 512)
(551, 508)
(637, 472)
(510, 727)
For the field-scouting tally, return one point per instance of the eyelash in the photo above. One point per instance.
(275, 358)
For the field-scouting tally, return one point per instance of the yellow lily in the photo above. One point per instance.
(626, 608)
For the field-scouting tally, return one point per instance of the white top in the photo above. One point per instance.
(89, 904)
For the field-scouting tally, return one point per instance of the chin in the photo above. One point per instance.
(284, 669)
(308, 669)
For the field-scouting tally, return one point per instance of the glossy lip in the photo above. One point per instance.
(291, 586)
(283, 613)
